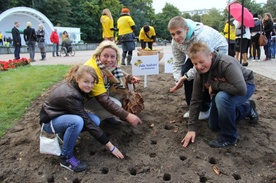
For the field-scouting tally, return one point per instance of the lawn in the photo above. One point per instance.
(22, 85)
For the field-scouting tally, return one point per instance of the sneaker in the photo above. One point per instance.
(73, 164)
(204, 115)
(113, 120)
(266, 59)
(254, 116)
(220, 143)
(186, 115)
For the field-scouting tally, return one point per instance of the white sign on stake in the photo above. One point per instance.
(168, 61)
(145, 65)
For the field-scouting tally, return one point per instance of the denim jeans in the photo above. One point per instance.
(267, 49)
(31, 47)
(70, 125)
(227, 110)
(188, 88)
(273, 47)
(55, 49)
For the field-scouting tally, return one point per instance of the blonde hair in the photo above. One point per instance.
(107, 44)
(29, 24)
(40, 27)
(108, 13)
(177, 21)
(198, 47)
(77, 72)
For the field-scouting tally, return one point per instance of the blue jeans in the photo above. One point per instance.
(273, 47)
(70, 125)
(227, 110)
(268, 49)
(31, 47)
(55, 49)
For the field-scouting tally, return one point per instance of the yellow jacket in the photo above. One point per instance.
(150, 33)
(232, 32)
(107, 24)
(99, 88)
(124, 24)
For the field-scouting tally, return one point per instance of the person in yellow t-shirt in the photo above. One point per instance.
(147, 35)
(101, 103)
(126, 36)
(1, 38)
(231, 33)
(107, 25)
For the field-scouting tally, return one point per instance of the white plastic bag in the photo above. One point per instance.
(48, 145)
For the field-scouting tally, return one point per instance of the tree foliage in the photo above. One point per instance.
(270, 7)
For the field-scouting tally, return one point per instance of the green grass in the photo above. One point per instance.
(21, 86)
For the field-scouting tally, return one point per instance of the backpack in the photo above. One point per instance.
(238, 31)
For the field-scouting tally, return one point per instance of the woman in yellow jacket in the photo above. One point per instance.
(126, 36)
(147, 35)
(232, 33)
(107, 25)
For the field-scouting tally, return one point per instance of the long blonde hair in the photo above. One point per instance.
(107, 12)
(77, 71)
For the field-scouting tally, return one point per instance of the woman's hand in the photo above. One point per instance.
(133, 119)
(135, 79)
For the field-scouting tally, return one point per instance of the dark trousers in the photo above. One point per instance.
(17, 52)
(188, 88)
(256, 46)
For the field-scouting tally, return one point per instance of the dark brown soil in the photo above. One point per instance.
(153, 150)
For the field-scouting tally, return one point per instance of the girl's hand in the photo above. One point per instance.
(116, 152)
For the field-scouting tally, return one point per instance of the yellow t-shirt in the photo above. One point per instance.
(98, 88)
(107, 24)
(150, 33)
(124, 24)
(232, 32)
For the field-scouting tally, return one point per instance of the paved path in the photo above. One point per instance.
(267, 68)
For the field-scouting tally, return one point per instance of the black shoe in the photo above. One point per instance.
(245, 64)
(113, 120)
(72, 164)
(254, 116)
(220, 143)
(123, 63)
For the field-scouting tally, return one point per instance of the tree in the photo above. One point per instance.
(270, 7)
(214, 19)
(163, 18)
(58, 11)
(187, 15)
(196, 18)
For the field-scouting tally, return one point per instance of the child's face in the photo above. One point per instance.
(108, 58)
(202, 62)
(86, 82)
(179, 34)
